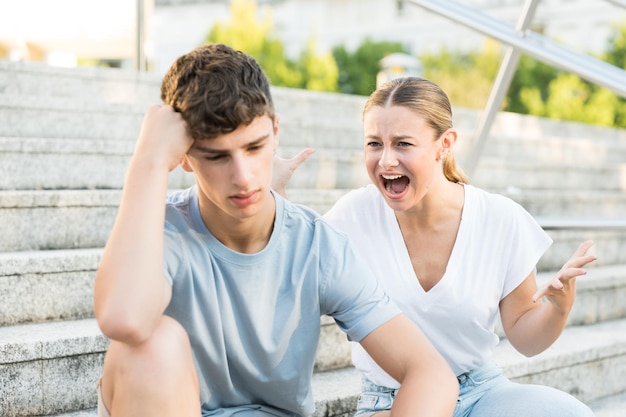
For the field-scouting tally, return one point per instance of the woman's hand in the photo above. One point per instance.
(284, 169)
(563, 283)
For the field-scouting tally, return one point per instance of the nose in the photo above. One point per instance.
(387, 159)
(241, 172)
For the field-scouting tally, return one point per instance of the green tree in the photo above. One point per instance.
(616, 55)
(320, 71)
(358, 69)
(542, 90)
(616, 51)
(529, 87)
(567, 99)
(467, 78)
(246, 33)
(255, 36)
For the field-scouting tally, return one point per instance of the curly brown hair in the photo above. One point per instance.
(217, 89)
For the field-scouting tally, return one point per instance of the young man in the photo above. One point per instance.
(213, 300)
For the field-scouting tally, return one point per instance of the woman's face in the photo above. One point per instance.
(402, 155)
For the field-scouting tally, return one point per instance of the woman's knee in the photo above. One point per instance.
(529, 400)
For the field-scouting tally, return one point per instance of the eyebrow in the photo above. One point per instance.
(206, 149)
(396, 137)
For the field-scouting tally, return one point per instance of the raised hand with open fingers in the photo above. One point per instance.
(561, 289)
(284, 169)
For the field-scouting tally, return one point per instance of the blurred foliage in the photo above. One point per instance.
(467, 78)
(536, 88)
(246, 33)
(358, 69)
(320, 71)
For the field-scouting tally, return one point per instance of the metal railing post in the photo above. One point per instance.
(499, 90)
(140, 58)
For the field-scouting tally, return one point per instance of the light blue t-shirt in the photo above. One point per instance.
(254, 319)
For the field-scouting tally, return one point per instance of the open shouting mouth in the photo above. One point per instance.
(395, 184)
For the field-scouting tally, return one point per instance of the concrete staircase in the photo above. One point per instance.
(66, 137)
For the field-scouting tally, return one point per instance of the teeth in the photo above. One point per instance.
(391, 177)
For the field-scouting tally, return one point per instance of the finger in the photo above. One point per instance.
(583, 248)
(300, 157)
(568, 273)
(540, 293)
(543, 291)
(581, 261)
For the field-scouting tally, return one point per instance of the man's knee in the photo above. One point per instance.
(160, 359)
(156, 368)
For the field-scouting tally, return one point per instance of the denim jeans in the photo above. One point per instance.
(486, 392)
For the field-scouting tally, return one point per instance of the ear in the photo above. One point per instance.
(448, 140)
(276, 129)
(184, 163)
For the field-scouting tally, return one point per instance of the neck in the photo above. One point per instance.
(245, 235)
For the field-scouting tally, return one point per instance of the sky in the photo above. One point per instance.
(90, 21)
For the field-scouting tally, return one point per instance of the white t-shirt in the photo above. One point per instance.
(498, 244)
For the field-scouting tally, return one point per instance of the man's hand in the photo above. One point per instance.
(163, 138)
(284, 169)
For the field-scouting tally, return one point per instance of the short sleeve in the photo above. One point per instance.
(352, 295)
(528, 244)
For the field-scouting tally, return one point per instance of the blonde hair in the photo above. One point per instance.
(427, 99)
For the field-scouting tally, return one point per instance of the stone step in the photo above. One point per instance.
(575, 203)
(44, 286)
(68, 118)
(32, 163)
(586, 361)
(320, 120)
(39, 286)
(71, 219)
(102, 84)
(613, 406)
(44, 164)
(54, 366)
(120, 85)
(124, 86)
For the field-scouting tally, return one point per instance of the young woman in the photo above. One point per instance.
(453, 257)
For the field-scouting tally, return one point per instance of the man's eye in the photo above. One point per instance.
(373, 144)
(214, 158)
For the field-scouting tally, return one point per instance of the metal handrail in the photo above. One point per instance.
(520, 39)
(499, 90)
(533, 44)
(620, 3)
(570, 223)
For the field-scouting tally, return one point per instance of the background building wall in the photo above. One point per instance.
(55, 31)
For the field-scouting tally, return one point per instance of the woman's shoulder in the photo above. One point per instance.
(366, 194)
(366, 199)
(490, 200)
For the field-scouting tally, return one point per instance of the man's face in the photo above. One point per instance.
(234, 171)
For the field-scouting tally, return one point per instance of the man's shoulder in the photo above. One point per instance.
(300, 217)
(178, 205)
